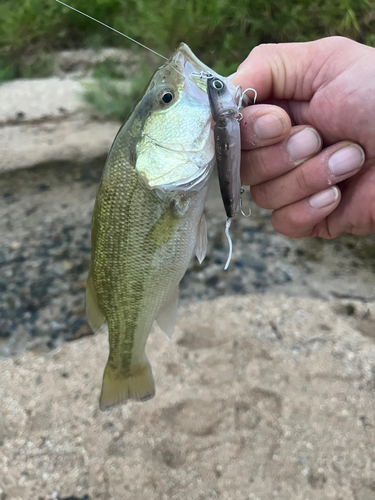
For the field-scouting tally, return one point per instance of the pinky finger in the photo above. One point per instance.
(306, 217)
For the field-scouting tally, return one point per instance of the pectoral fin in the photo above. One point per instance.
(201, 242)
(167, 315)
(95, 316)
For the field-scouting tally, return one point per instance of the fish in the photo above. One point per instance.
(148, 220)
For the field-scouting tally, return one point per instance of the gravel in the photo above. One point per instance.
(45, 216)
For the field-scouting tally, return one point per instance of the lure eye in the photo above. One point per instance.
(217, 84)
(166, 97)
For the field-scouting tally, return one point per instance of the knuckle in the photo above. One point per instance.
(323, 230)
(261, 196)
(284, 225)
(276, 222)
(260, 49)
(260, 165)
(302, 180)
(292, 222)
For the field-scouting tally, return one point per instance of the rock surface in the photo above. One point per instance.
(45, 220)
(257, 398)
(33, 100)
(77, 138)
(44, 120)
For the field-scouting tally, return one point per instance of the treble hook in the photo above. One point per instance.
(244, 94)
(242, 212)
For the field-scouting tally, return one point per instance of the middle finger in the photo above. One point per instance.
(265, 163)
(331, 166)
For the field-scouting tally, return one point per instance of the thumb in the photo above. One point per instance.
(293, 70)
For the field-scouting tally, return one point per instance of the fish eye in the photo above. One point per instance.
(166, 97)
(217, 84)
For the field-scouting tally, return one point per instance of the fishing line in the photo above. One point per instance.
(113, 29)
(122, 34)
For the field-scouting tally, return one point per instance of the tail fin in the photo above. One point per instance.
(118, 388)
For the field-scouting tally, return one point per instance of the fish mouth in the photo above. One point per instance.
(188, 65)
(185, 60)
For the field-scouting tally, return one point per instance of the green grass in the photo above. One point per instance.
(109, 68)
(364, 249)
(220, 32)
(110, 95)
(37, 66)
(8, 70)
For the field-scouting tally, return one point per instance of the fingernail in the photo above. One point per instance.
(269, 126)
(346, 160)
(304, 143)
(232, 75)
(324, 198)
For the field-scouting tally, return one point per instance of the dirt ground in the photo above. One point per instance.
(258, 397)
(267, 389)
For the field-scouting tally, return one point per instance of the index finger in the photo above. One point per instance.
(294, 70)
(263, 125)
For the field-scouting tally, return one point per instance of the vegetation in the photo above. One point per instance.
(220, 32)
(111, 96)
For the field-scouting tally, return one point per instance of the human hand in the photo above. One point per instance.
(329, 86)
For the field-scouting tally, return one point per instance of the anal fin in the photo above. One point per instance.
(167, 315)
(95, 316)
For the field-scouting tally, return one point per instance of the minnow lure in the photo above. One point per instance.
(225, 113)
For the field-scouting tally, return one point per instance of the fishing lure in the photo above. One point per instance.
(225, 110)
(227, 136)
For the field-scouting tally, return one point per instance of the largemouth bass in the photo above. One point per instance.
(148, 220)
